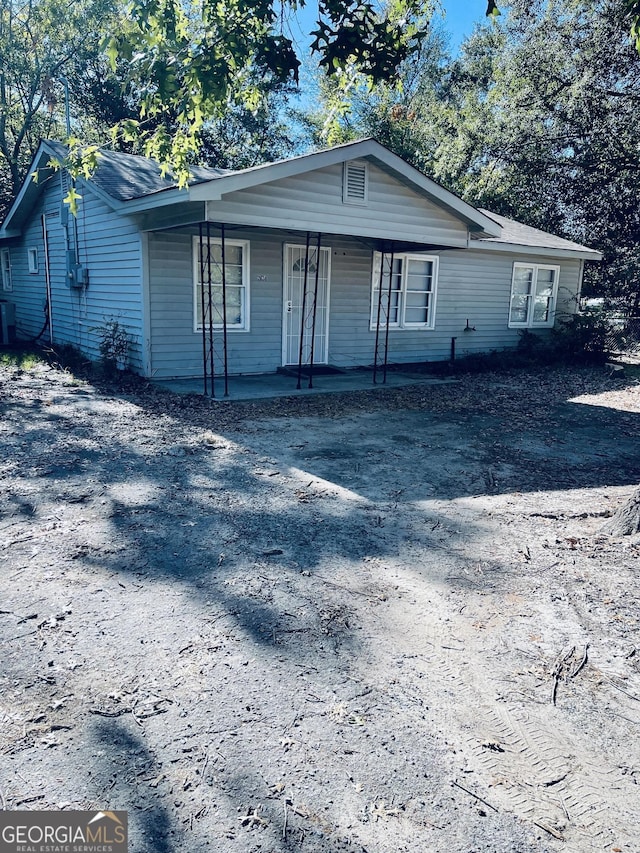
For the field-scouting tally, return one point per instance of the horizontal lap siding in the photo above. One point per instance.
(176, 350)
(109, 247)
(472, 285)
(29, 290)
(393, 210)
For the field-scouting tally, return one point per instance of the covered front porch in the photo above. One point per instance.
(284, 384)
(229, 301)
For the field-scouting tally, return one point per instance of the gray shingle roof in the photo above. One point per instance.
(524, 235)
(128, 176)
(125, 177)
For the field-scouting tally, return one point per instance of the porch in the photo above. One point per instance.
(273, 385)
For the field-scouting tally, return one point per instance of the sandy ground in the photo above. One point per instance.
(377, 622)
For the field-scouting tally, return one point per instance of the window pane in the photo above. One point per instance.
(232, 254)
(546, 280)
(519, 308)
(416, 315)
(393, 308)
(419, 275)
(396, 276)
(393, 273)
(417, 308)
(522, 279)
(541, 309)
(234, 306)
(235, 300)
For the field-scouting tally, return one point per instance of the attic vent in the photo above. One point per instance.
(355, 183)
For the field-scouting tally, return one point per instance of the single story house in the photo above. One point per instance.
(343, 257)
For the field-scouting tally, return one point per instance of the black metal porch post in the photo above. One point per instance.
(224, 312)
(303, 308)
(315, 307)
(375, 352)
(203, 319)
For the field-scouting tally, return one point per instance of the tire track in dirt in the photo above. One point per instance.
(528, 760)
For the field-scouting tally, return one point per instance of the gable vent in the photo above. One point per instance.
(355, 183)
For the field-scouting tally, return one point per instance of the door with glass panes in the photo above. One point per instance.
(297, 299)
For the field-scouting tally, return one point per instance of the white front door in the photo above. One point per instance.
(294, 296)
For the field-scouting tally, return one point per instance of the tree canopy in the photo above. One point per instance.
(193, 59)
(536, 119)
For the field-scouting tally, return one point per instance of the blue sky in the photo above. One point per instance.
(459, 20)
(461, 17)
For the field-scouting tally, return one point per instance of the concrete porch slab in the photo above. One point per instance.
(270, 385)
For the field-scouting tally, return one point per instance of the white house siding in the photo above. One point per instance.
(314, 200)
(109, 247)
(472, 285)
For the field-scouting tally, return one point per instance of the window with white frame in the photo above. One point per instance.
(534, 289)
(207, 267)
(5, 266)
(408, 292)
(32, 258)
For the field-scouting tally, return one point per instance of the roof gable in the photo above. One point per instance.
(130, 183)
(366, 149)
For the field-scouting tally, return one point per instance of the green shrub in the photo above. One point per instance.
(582, 338)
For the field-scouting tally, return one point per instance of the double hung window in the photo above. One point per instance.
(207, 268)
(406, 291)
(534, 289)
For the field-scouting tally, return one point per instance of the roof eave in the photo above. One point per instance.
(29, 187)
(579, 252)
(161, 198)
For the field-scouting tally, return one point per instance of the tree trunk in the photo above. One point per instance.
(626, 520)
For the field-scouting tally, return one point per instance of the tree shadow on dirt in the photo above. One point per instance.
(124, 758)
(251, 529)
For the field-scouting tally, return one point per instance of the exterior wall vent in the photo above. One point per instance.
(355, 185)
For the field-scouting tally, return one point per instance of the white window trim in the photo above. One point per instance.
(246, 278)
(32, 260)
(402, 323)
(5, 266)
(346, 198)
(529, 323)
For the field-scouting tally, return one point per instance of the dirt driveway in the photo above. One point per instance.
(379, 622)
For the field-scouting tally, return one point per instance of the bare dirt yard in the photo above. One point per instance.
(384, 621)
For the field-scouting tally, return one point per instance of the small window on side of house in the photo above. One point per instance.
(355, 182)
(32, 257)
(5, 267)
(534, 290)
